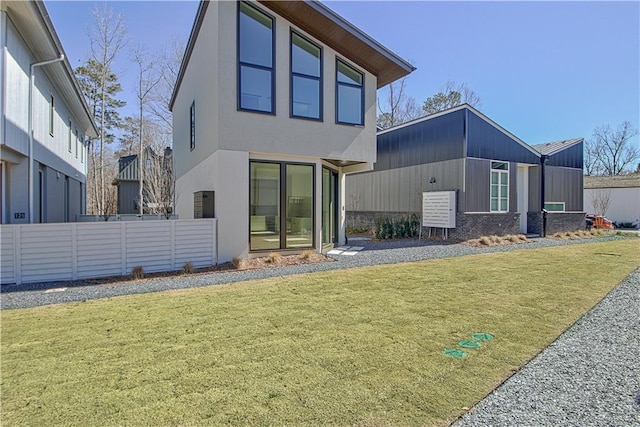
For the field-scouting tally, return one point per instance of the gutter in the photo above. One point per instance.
(31, 89)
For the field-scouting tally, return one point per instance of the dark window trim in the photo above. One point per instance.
(192, 125)
(361, 87)
(293, 74)
(76, 142)
(240, 64)
(69, 137)
(283, 201)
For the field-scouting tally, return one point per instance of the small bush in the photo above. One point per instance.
(188, 268)
(522, 237)
(274, 258)
(307, 254)
(625, 224)
(512, 238)
(137, 272)
(237, 263)
(358, 230)
(495, 239)
(486, 241)
(396, 228)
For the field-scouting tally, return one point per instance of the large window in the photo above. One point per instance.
(499, 187)
(281, 206)
(52, 110)
(349, 95)
(306, 78)
(69, 137)
(255, 52)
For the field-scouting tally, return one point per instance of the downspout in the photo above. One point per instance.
(30, 125)
(543, 161)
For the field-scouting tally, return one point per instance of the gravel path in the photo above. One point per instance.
(590, 376)
(374, 253)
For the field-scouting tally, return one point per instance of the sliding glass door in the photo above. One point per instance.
(329, 206)
(281, 208)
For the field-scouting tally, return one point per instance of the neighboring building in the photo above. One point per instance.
(275, 102)
(622, 193)
(157, 186)
(39, 93)
(496, 176)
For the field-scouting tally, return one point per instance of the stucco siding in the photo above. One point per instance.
(624, 203)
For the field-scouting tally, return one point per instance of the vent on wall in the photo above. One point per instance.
(204, 204)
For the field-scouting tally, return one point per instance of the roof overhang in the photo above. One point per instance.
(327, 27)
(35, 26)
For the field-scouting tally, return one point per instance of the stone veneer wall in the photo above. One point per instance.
(468, 225)
(556, 222)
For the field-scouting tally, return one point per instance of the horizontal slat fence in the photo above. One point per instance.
(71, 251)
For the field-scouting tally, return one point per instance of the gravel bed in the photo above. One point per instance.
(590, 376)
(374, 253)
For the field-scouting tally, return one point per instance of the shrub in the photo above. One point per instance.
(495, 239)
(396, 228)
(274, 258)
(237, 263)
(188, 268)
(358, 230)
(137, 272)
(486, 241)
(307, 254)
(522, 237)
(625, 224)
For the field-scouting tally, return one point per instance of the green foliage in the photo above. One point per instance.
(396, 228)
(358, 230)
(441, 101)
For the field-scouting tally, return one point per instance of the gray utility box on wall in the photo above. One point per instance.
(204, 204)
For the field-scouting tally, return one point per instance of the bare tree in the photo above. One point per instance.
(601, 200)
(107, 36)
(611, 151)
(395, 106)
(168, 63)
(148, 78)
(451, 95)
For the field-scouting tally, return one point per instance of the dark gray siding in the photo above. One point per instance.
(400, 190)
(430, 141)
(54, 196)
(561, 185)
(571, 157)
(485, 141)
(534, 189)
(127, 196)
(75, 199)
(564, 185)
(478, 185)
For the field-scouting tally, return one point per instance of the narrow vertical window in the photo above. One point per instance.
(349, 95)
(51, 116)
(76, 143)
(69, 137)
(306, 78)
(255, 60)
(499, 187)
(192, 126)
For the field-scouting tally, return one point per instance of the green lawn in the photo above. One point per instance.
(353, 347)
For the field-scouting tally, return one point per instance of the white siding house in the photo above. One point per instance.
(39, 95)
(275, 102)
(621, 195)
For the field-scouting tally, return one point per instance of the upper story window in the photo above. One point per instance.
(306, 78)
(499, 187)
(349, 95)
(51, 115)
(255, 54)
(82, 148)
(76, 143)
(192, 126)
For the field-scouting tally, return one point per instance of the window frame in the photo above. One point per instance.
(500, 171)
(362, 92)
(293, 74)
(69, 137)
(192, 126)
(240, 64)
(76, 143)
(282, 214)
(564, 206)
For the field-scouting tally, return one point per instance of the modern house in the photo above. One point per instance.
(44, 122)
(274, 104)
(500, 182)
(157, 183)
(620, 195)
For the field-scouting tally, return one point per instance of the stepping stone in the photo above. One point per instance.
(356, 248)
(349, 252)
(334, 252)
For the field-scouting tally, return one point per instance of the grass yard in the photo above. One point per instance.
(353, 347)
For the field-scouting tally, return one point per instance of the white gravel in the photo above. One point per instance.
(590, 376)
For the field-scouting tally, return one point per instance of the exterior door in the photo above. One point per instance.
(522, 193)
(329, 207)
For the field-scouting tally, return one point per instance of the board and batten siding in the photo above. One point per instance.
(561, 185)
(61, 252)
(400, 190)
